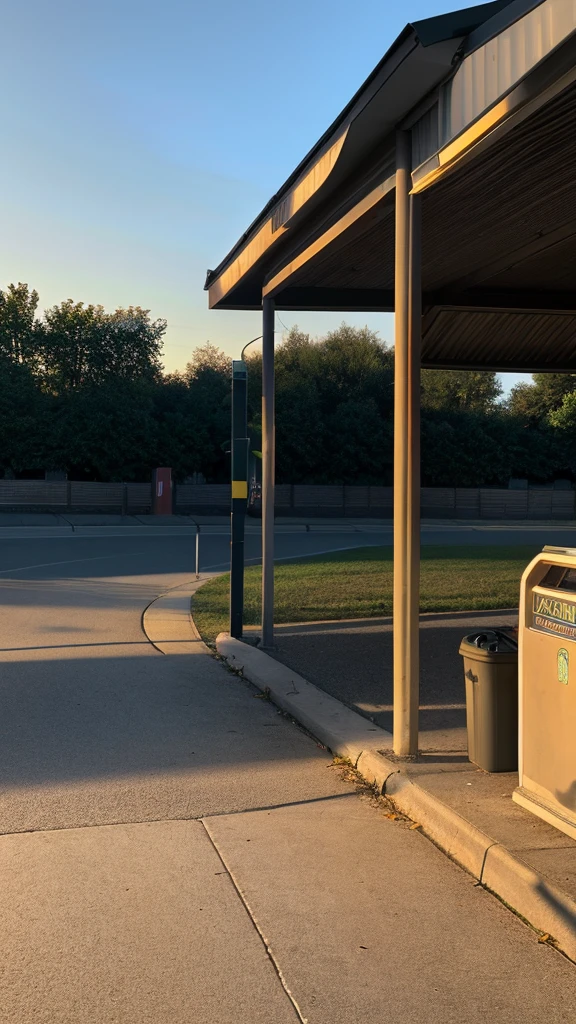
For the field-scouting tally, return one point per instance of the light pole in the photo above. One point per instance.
(239, 451)
(239, 446)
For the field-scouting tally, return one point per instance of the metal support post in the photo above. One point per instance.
(239, 448)
(268, 465)
(406, 457)
(413, 569)
(197, 551)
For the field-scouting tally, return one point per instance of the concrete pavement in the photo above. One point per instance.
(352, 662)
(131, 923)
(517, 856)
(370, 922)
(174, 849)
(96, 725)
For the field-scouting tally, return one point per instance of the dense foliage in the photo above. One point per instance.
(83, 390)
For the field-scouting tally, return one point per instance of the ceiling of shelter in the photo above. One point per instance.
(503, 231)
(363, 258)
(499, 221)
(463, 339)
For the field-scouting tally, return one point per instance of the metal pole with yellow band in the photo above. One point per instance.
(239, 448)
(268, 471)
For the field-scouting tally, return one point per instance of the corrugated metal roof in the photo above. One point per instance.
(365, 262)
(498, 232)
(500, 341)
(418, 61)
(491, 70)
(518, 192)
(501, 222)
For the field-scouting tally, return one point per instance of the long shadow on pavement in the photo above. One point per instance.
(352, 661)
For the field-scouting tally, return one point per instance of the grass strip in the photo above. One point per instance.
(357, 584)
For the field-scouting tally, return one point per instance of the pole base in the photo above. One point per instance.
(401, 758)
(251, 638)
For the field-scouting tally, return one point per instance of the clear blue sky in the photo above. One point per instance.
(139, 140)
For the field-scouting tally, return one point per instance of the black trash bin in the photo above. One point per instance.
(491, 674)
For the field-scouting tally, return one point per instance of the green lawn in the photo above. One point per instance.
(357, 584)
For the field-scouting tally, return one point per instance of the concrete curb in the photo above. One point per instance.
(168, 622)
(332, 722)
(348, 734)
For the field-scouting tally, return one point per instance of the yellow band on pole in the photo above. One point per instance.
(239, 489)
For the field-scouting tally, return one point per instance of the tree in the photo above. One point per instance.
(208, 359)
(105, 432)
(83, 389)
(465, 390)
(334, 400)
(25, 424)
(563, 422)
(208, 377)
(186, 438)
(474, 449)
(19, 334)
(84, 345)
(534, 402)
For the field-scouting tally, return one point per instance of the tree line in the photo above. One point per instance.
(83, 391)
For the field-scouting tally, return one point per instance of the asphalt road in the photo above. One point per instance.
(293, 538)
(173, 849)
(150, 554)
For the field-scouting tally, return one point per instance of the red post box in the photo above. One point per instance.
(162, 491)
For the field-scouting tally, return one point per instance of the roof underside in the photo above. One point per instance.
(498, 249)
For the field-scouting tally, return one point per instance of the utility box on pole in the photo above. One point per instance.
(239, 455)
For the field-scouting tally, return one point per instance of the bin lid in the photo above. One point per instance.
(486, 644)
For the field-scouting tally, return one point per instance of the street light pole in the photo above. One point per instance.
(268, 466)
(239, 451)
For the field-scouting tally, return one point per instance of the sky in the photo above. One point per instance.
(140, 139)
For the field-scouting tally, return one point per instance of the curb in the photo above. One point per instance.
(348, 734)
(168, 622)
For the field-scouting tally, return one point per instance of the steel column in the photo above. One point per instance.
(406, 457)
(268, 470)
(413, 510)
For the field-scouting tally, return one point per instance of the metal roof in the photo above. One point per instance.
(491, 116)
(418, 60)
(517, 341)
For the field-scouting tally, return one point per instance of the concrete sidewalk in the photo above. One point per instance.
(352, 661)
(175, 849)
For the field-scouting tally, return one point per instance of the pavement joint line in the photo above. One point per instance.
(480, 879)
(202, 816)
(493, 866)
(271, 956)
(341, 729)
